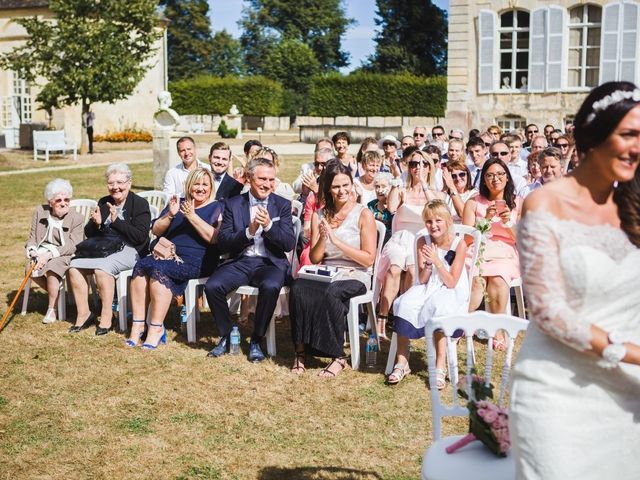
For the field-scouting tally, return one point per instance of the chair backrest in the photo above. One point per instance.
(156, 198)
(469, 323)
(293, 257)
(296, 208)
(459, 231)
(154, 212)
(84, 206)
(48, 137)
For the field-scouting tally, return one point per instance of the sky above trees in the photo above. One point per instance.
(358, 41)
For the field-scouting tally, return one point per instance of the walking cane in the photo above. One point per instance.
(15, 299)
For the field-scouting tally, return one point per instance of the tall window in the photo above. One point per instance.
(584, 45)
(22, 99)
(514, 49)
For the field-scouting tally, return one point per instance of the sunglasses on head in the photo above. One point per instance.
(499, 154)
(461, 175)
(451, 137)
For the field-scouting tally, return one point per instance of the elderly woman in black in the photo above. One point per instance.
(120, 227)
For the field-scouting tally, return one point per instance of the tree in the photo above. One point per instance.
(189, 40)
(291, 63)
(92, 51)
(320, 24)
(412, 38)
(226, 56)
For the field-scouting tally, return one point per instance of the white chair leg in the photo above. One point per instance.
(191, 308)
(121, 289)
(354, 335)
(393, 349)
(62, 302)
(271, 337)
(25, 297)
(520, 302)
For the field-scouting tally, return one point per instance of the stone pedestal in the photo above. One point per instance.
(234, 121)
(161, 156)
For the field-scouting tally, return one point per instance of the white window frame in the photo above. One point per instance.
(585, 26)
(508, 122)
(488, 74)
(514, 48)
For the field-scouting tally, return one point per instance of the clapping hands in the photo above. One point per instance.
(96, 216)
(326, 232)
(174, 205)
(429, 254)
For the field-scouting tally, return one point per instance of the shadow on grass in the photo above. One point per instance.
(316, 473)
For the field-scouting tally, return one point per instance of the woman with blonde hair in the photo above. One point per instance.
(191, 224)
(442, 289)
(406, 204)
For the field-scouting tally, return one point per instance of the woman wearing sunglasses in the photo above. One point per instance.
(406, 204)
(457, 183)
(499, 265)
(55, 230)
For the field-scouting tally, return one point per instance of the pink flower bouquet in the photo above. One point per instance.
(488, 422)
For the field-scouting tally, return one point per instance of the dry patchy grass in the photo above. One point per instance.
(81, 406)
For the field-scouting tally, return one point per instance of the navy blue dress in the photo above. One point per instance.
(199, 258)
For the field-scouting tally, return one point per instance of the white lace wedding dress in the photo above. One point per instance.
(572, 418)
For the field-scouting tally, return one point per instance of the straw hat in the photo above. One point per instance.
(389, 138)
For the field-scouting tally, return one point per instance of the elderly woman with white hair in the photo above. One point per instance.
(117, 235)
(55, 231)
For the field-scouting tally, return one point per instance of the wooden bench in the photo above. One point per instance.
(51, 141)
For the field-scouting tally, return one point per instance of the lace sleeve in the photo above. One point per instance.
(544, 282)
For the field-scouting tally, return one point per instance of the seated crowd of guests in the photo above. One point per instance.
(235, 226)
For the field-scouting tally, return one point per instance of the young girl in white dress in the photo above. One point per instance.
(442, 289)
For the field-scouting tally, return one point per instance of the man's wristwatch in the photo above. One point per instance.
(615, 351)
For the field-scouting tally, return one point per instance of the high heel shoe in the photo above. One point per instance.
(91, 319)
(134, 343)
(163, 338)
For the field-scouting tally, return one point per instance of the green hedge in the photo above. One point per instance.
(207, 95)
(365, 95)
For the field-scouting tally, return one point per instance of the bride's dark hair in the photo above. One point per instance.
(627, 197)
(599, 115)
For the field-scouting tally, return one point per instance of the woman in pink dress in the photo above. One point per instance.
(499, 265)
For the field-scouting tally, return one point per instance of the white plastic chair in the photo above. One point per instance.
(458, 230)
(122, 280)
(474, 460)
(156, 198)
(296, 208)
(191, 304)
(368, 299)
(84, 206)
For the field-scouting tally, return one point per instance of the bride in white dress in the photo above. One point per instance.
(575, 397)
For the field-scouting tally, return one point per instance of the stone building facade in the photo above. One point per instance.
(17, 97)
(514, 62)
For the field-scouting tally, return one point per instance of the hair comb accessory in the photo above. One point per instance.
(614, 97)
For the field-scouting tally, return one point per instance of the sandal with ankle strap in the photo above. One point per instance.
(131, 343)
(395, 378)
(298, 366)
(340, 361)
(162, 340)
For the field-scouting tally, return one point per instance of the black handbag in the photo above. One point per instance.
(98, 247)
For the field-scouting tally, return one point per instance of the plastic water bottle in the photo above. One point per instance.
(183, 314)
(235, 341)
(372, 351)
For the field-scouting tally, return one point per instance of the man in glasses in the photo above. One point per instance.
(322, 144)
(439, 137)
(564, 146)
(529, 132)
(420, 137)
